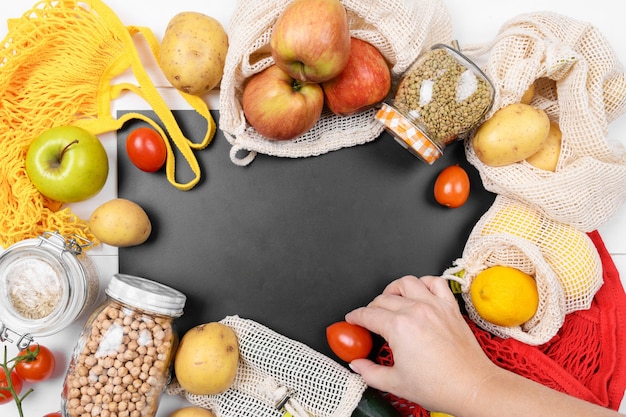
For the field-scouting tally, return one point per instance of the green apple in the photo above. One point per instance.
(67, 164)
(311, 40)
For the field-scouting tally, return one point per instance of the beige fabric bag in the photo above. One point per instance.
(400, 29)
(274, 370)
(582, 86)
(563, 260)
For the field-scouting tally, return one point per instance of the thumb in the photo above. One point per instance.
(374, 375)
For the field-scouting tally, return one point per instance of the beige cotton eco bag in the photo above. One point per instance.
(277, 374)
(400, 29)
(581, 85)
(562, 259)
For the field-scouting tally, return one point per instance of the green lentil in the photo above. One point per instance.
(442, 116)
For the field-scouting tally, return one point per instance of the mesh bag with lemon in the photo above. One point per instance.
(521, 242)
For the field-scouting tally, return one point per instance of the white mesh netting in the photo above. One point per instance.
(563, 260)
(271, 366)
(581, 85)
(400, 29)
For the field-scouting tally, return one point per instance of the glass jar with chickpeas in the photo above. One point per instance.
(440, 98)
(121, 363)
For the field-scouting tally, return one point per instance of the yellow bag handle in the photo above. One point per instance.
(107, 92)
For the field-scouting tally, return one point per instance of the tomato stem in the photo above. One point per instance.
(7, 373)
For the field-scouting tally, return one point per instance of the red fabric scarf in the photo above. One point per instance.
(586, 359)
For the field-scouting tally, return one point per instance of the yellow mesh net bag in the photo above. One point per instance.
(58, 65)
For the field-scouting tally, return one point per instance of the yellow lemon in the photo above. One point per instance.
(192, 411)
(439, 414)
(504, 296)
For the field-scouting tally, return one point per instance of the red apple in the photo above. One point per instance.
(363, 83)
(311, 39)
(280, 107)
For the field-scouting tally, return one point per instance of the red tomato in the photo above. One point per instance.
(5, 394)
(452, 187)
(349, 341)
(55, 414)
(38, 369)
(146, 149)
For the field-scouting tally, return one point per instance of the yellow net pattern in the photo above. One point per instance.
(57, 66)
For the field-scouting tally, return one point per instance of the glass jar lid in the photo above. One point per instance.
(146, 295)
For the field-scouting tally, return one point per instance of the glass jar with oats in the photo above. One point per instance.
(46, 283)
(439, 99)
(121, 363)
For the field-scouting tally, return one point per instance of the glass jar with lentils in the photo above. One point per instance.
(440, 98)
(122, 361)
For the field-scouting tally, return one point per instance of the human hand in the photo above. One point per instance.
(437, 360)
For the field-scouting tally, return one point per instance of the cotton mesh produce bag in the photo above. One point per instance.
(585, 359)
(58, 66)
(562, 259)
(400, 30)
(582, 87)
(275, 374)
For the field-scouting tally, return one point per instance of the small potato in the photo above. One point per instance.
(207, 359)
(528, 95)
(192, 411)
(121, 223)
(547, 157)
(193, 52)
(512, 134)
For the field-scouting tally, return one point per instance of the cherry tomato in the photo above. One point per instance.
(55, 414)
(349, 341)
(452, 187)
(146, 149)
(5, 394)
(38, 369)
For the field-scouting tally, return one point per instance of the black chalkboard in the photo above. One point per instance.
(294, 243)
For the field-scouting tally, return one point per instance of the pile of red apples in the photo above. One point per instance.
(317, 63)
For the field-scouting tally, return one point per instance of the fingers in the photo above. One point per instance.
(375, 376)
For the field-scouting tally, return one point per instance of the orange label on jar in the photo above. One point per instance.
(415, 140)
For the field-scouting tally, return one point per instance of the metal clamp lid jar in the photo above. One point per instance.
(45, 284)
(122, 361)
(440, 98)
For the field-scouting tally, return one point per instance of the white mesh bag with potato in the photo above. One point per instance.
(566, 264)
(276, 374)
(581, 85)
(400, 29)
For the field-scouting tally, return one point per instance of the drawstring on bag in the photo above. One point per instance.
(58, 63)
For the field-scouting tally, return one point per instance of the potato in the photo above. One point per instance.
(207, 358)
(120, 222)
(193, 52)
(528, 95)
(547, 157)
(192, 411)
(512, 134)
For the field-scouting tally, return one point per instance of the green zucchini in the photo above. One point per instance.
(373, 404)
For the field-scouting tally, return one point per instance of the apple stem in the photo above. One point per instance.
(66, 147)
